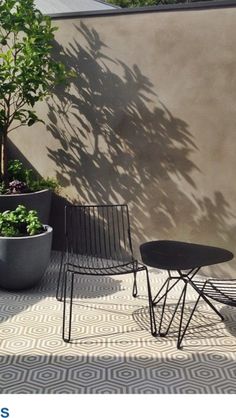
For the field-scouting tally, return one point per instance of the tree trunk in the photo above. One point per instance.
(1, 150)
(3, 155)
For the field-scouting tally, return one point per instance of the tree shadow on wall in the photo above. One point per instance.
(118, 143)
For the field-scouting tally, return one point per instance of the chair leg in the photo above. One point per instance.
(66, 335)
(60, 280)
(135, 288)
(200, 292)
(60, 290)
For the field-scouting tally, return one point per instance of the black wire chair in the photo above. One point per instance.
(220, 290)
(98, 242)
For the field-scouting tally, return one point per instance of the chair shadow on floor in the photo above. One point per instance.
(229, 313)
(105, 321)
(90, 287)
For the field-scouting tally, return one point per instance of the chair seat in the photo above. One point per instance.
(100, 266)
(221, 290)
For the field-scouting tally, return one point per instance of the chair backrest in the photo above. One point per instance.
(99, 231)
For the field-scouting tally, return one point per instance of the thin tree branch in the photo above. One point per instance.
(17, 126)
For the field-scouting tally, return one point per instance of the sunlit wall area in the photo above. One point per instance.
(149, 119)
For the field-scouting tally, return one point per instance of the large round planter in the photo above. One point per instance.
(23, 260)
(39, 201)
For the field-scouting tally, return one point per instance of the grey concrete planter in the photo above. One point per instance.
(23, 260)
(39, 201)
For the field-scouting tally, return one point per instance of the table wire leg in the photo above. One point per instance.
(155, 302)
(162, 334)
(174, 313)
(183, 294)
(168, 287)
(180, 338)
(151, 310)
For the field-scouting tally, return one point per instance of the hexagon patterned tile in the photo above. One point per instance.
(112, 350)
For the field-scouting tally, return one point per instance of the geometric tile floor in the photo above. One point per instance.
(112, 351)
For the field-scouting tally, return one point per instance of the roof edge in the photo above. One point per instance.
(180, 7)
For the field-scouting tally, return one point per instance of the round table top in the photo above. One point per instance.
(178, 255)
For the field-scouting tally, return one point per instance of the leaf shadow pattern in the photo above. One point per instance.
(117, 142)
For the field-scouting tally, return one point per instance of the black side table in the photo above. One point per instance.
(185, 259)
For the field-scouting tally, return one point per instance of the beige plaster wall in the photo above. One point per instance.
(149, 120)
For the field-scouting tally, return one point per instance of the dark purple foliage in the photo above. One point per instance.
(17, 186)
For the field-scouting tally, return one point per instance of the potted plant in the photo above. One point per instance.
(24, 187)
(28, 74)
(25, 246)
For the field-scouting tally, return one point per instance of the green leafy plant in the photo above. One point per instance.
(16, 171)
(20, 222)
(143, 3)
(23, 180)
(41, 184)
(3, 188)
(28, 72)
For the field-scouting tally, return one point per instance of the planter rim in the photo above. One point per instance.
(12, 195)
(48, 230)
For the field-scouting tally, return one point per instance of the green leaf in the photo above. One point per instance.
(28, 71)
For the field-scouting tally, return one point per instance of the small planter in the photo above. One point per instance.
(39, 201)
(23, 260)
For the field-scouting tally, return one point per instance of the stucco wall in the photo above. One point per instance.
(150, 120)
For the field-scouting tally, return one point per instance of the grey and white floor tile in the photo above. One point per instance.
(112, 351)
